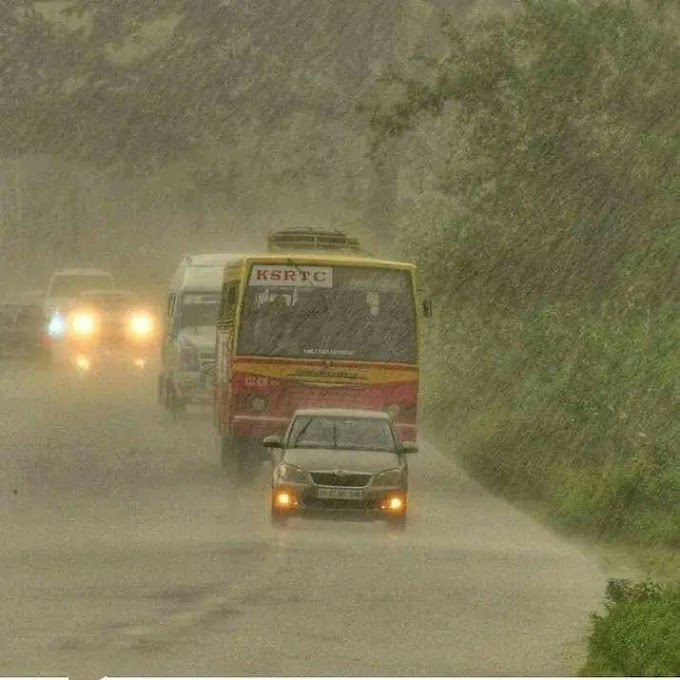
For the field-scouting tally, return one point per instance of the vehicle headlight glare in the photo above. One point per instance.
(290, 473)
(141, 325)
(388, 478)
(395, 504)
(57, 325)
(283, 499)
(83, 324)
(83, 363)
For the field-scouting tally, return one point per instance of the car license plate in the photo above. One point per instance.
(340, 493)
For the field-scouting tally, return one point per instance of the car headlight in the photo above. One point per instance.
(140, 325)
(57, 325)
(83, 324)
(291, 473)
(392, 477)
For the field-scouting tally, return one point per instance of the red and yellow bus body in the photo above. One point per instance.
(256, 395)
(267, 391)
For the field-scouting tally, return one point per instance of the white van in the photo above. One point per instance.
(188, 348)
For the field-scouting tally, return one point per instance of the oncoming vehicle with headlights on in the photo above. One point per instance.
(335, 460)
(115, 327)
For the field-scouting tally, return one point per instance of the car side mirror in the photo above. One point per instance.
(427, 308)
(408, 447)
(273, 442)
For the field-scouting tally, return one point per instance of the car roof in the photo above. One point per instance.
(342, 413)
(108, 293)
(81, 272)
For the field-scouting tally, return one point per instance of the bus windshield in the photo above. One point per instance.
(340, 312)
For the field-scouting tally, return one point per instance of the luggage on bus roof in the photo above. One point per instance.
(312, 239)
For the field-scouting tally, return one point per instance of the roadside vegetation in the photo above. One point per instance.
(555, 265)
(639, 635)
(531, 151)
(549, 238)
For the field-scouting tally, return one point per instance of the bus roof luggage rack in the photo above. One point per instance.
(312, 239)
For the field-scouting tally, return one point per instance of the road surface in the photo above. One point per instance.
(126, 552)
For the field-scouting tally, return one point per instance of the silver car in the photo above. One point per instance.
(334, 460)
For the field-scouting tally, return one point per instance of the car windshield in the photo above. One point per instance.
(360, 313)
(200, 309)
(68, 285)
(323, 432)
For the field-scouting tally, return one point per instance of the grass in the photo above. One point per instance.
(573, 412)
(575, 409)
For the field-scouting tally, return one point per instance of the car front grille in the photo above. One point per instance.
(333, 479)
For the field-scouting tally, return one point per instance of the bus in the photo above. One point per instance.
(304, 330)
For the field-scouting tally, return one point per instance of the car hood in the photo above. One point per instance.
(201, 337)
(333, 459)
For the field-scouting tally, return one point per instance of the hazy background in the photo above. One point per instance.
(524, 154)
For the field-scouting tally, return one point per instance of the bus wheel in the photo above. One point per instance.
(226, 454)
(246, 463)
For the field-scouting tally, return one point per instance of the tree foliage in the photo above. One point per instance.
(566, 174)
(147, 80)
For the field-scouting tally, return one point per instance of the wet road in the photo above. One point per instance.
(126, 552)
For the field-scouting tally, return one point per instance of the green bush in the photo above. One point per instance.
(639, 633)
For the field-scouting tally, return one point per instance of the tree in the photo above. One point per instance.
(567, 164)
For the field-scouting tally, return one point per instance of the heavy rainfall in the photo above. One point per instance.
(339, 338)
